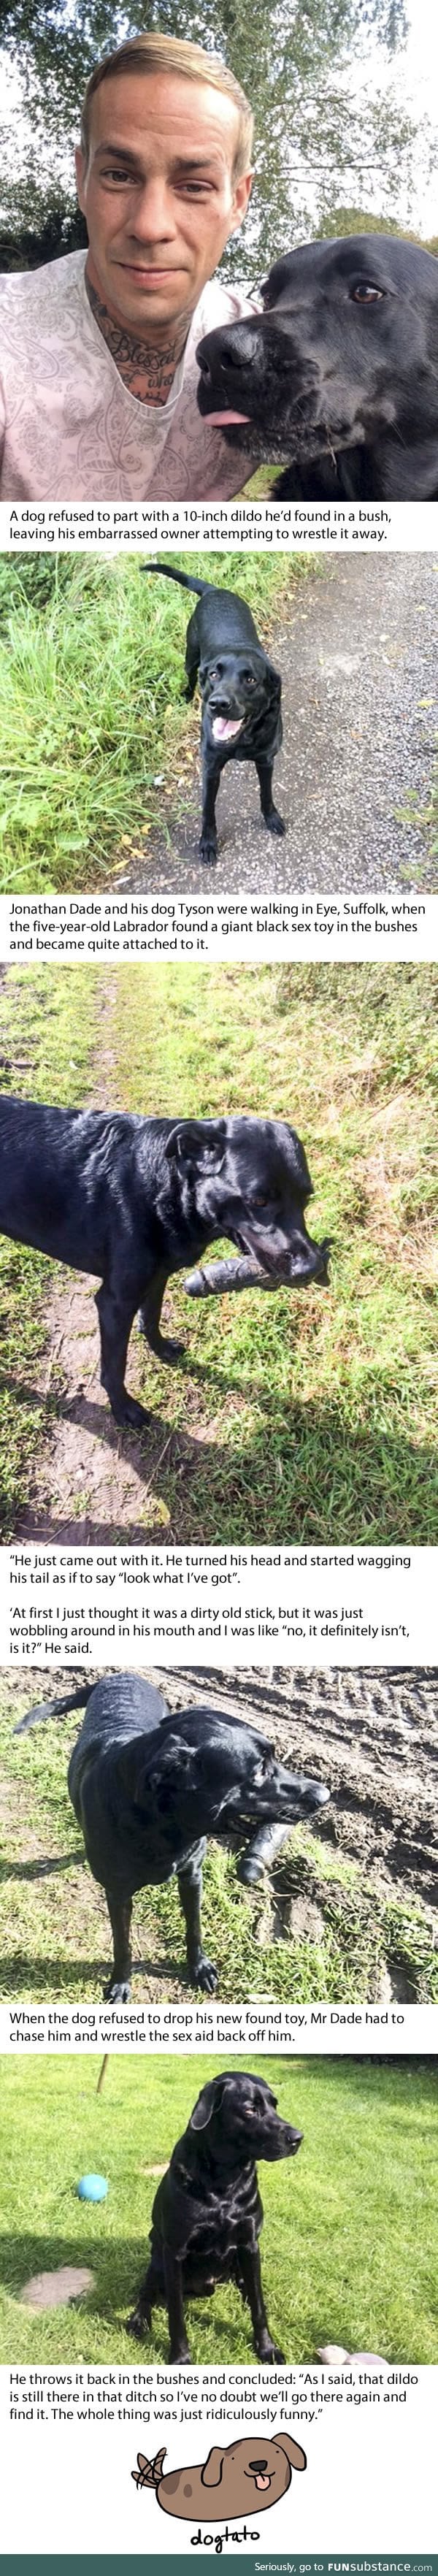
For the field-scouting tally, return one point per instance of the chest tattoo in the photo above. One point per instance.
(147, 372)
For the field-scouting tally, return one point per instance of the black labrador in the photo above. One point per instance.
(338, 375)
(147, 1788)
(207, 2213)
(241, 697)
(131, 1200)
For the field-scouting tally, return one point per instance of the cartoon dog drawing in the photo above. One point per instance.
(253, 2473)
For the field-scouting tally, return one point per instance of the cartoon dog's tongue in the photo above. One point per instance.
(262, 2483)
(224, 728)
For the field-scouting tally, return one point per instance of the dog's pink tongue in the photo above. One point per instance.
(262, 2483)
(222, 419)
(224, 727)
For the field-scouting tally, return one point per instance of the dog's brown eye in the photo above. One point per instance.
(367, 294)
(260, 1200)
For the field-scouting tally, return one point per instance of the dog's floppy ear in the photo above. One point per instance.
(211, 2475)
(155, 1767)
(198, 1140)
(294, 2453)
(275, 680)
(171, 1771)
(208, 2100)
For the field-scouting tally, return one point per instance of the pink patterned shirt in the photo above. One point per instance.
(69, 428)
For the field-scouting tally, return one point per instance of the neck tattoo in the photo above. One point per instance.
(147, 372)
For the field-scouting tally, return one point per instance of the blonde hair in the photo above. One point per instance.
(170, 54)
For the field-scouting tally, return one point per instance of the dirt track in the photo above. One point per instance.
(372, 1735)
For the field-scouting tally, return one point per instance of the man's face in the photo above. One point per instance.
(158, 194)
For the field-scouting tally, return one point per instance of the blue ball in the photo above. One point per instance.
(92, 2187)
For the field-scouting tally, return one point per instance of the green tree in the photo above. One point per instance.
(297, 60)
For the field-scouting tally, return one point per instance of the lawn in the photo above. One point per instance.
(91, 710)
(320, 1928)
(350, 2241)
(293, 1418)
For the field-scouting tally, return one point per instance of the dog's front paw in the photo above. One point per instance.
(137, 2325)
(130, 1415)
(118, 1992)
(274, 823)
(183, 2354)
(270, 2351)
(207, 851)
(205, 1976)
(168, 1351)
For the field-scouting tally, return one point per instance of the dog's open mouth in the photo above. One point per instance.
(225, 728)
(261, 2482)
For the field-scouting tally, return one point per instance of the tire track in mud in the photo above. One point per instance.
(372, 1735)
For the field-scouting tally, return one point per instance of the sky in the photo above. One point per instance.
(414, 76)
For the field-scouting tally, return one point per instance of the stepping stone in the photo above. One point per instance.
(56, 2289)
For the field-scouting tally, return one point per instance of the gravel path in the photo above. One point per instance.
(360, 703)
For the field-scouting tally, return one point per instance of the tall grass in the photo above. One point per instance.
(91, 675)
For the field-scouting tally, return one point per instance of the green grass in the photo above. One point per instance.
(48, 1033)
(55, 1938)
(91, 674)
(293, 1418)
(349, 2246)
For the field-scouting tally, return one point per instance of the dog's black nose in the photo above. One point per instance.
(237, 345)
(258, 2465)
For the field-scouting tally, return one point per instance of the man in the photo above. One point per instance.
(98, 371)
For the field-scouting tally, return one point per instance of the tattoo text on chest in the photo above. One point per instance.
(148, 373)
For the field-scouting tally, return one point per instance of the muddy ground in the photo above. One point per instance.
(372, 1736)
